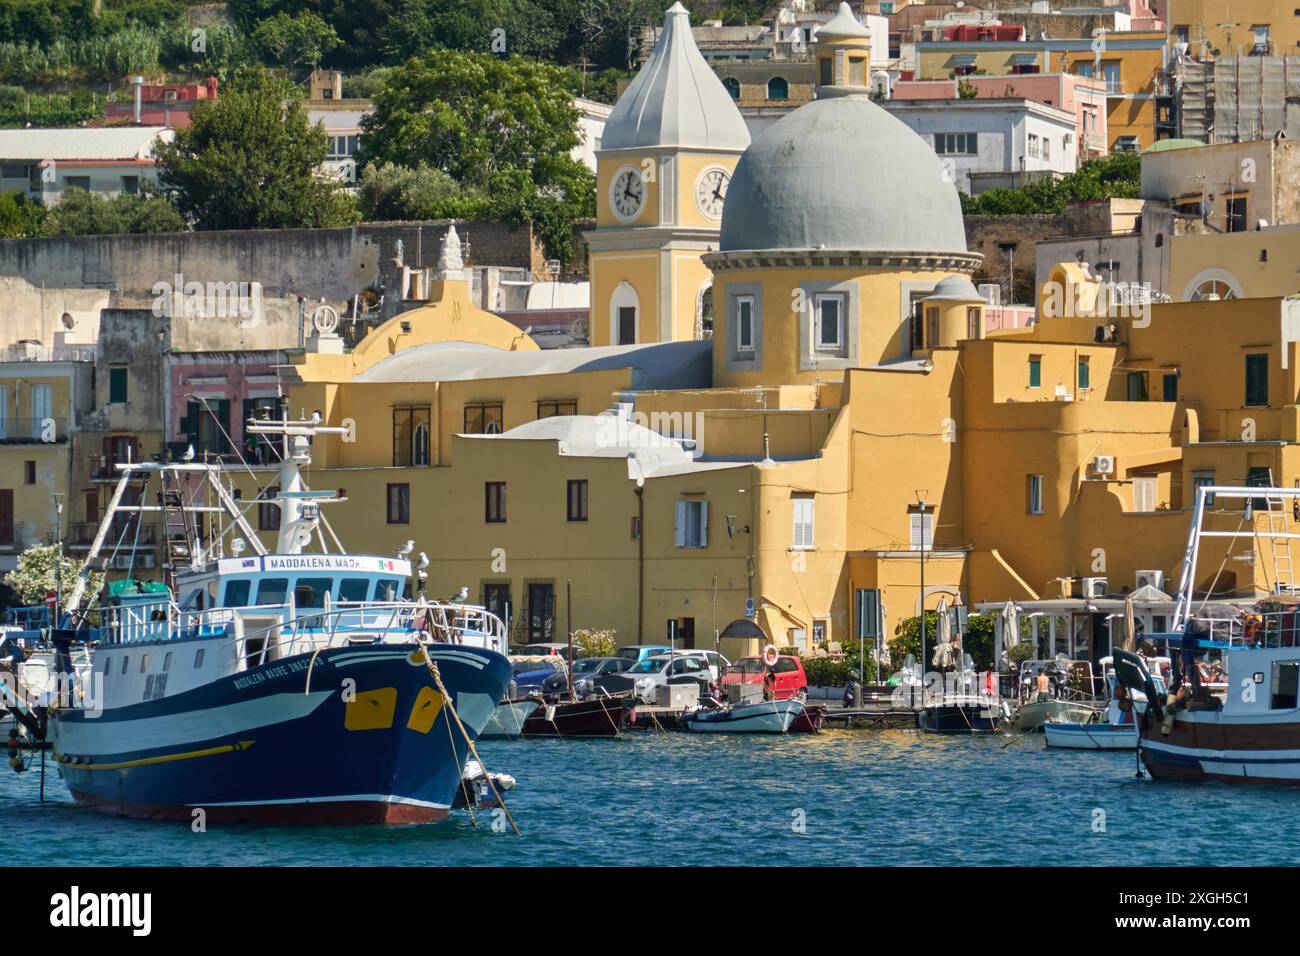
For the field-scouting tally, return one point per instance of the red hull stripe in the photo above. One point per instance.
(280, 814)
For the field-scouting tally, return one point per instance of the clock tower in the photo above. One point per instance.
(662, 171)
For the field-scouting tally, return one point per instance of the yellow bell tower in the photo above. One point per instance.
(666, 158)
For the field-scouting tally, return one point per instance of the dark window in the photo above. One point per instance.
(354, 589)
(1137, 386)
(1085, 377)
(494, 502)
(627, 325)
(272, 590)
(1171, 387)
(117, 385)
(206, 426)
(411, 435)
(259, 449)
(310, 592)
(1259, 477)
(562, 406)
(732, 86)
(1035, 371)
(268, 515)
(1286, 683)
(29, 472)
(237, 594)
(389, 589)
(1257, 380)
(496, 598)
(483, 418)
(1236, 209)
(131, 185)
(541, 613)
(826, 74)
(578, 500)
(399, 504)
(778, 88)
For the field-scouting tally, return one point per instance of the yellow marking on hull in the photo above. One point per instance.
(371, 710)
(427, 707)
(164, 758)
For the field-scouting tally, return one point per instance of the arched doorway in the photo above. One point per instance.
(704, 312)
(624, 315)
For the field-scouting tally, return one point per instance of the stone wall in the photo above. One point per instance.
(333, 264)
(988, 235)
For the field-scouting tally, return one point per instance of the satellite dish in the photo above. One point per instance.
(325, 319)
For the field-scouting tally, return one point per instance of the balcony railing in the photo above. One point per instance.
(33, 431)
(120, 534)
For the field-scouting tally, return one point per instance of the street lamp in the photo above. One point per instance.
(922, 509)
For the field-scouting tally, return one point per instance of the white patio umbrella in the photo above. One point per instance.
(943, 649)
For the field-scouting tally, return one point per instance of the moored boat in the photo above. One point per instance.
(506, 721)
(598, 716)
(764, 717)
(280, 687)
(960, 716)
(1098, 735)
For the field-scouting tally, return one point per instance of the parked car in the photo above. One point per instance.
(790, 678)
(559, 650)
(530, 671)
(584, 670)
(638, 652)
(649, 673)
(717, 663)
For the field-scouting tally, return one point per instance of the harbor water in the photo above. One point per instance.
(840, 797)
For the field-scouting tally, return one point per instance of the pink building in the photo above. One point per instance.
(1083, 96)
(160, 105)
(210, 395)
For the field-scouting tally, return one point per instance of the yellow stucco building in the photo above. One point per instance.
(1212, 28)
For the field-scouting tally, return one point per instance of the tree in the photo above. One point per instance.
(1118, 175)
(977, 640)
(250, 160)
(38, 572)
(80, 213)
(611, 29)
(20, 217)
(485, 26)
(303, 38)
(500, 127)
(396, 192)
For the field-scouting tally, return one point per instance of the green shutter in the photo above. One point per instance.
(1035, 372)
(1171, 387)
(1257, 380)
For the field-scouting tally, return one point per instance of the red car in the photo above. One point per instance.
(788, 676)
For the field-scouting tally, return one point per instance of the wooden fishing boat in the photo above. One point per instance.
(764, 717)
(600, 716)
(810, 721)
(960, 716)
(1097, 735)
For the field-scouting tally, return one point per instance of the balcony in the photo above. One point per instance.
(121, 535)
(33, 431)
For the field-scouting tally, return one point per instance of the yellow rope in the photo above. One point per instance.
(442, 689)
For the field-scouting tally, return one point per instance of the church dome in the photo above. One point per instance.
(842, 174)
(676, 99)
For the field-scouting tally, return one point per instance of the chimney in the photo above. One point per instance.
(138, 83)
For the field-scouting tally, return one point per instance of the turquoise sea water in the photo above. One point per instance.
(871, 797)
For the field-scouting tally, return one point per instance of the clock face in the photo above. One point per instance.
(711, 191)
(627, 193)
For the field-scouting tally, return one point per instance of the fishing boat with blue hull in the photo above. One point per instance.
(285, 687)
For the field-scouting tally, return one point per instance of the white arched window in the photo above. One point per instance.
(1211, 283)
(624, 315)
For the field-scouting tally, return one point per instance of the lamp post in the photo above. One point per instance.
(921, 508)
(58, 559)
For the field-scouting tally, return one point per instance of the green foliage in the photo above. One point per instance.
(594, 642)
(248, 161)
(502, 128)
(1117, 176)
(20, 217)
(485, 26)
(824, 672)
(977, 641)
(966, 90)
(19, 109)
(80, 213)
(295, 40)
(391, 192)
(37, 573)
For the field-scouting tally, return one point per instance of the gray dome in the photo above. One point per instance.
(955, 289)
(842, 174)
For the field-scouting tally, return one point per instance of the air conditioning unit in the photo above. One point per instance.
(1155, 579)
(1095, 588)
(1103, 465)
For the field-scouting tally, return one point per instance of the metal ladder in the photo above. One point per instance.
(177, 531)
(1283, 569)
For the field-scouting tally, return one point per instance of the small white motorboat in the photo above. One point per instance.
(764, 717)
(1096, 736)
(507, 720)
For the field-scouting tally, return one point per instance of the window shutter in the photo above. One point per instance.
(223, 419)
(679, 532)
(704, 524)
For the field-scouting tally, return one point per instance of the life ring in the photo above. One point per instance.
(770, 655)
